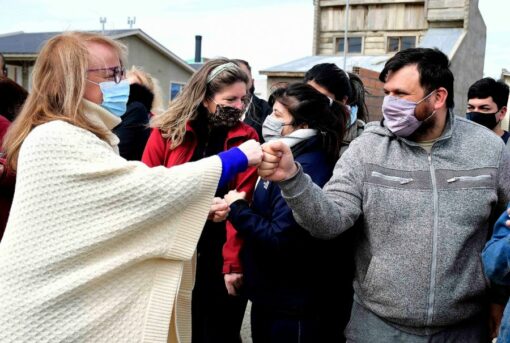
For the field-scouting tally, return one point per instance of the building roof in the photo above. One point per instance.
(302, 65)
(446, 40)
(29, 43)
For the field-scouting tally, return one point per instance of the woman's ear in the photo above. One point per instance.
(209, 105)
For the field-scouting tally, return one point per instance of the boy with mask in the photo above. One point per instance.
(487, 105)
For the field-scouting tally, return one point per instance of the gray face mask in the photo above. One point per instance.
(272, 128)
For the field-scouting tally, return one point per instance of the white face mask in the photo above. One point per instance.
(399, 115)
(272, 128)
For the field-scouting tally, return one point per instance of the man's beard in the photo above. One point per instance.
(427, 124)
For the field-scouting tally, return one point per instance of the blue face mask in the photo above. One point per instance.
(354, 115)
(115, 96)
(272, 128)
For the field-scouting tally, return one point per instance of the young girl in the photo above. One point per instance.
(291, 277)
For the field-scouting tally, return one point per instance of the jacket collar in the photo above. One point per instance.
(103, 119)
(379, 129)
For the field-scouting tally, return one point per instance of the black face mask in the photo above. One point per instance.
(225, 116)
(485, 119)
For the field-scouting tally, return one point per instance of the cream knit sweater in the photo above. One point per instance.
(94, 246)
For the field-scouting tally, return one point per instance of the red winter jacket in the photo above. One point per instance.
(157, 152)
(4, 125)
(7, 181)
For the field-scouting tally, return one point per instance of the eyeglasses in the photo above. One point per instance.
(117, 72)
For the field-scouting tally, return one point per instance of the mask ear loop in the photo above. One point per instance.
(433, 112)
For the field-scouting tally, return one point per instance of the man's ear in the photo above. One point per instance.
(502, 113)
(440, 97)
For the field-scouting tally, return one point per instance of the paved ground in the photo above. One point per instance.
(245, 329)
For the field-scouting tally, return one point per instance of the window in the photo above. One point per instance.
(354, 44)
(175, 89)
(408, 42)
(400, 43)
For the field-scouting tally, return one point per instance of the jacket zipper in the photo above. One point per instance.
(430, 310)
(401, 180)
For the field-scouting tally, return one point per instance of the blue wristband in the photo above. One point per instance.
(233, 162)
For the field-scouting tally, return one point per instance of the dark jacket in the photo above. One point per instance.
(257, 112)
(286, 268)
(134, 131)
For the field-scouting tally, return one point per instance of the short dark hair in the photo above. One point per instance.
(433, 67)
(341, 84)
(488, 87)
(334, 79)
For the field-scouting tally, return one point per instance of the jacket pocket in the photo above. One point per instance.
(469, 178)
(400, 180)
(369, 275)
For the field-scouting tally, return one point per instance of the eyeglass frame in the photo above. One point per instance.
(118, 72)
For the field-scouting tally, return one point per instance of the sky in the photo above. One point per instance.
(264, 32)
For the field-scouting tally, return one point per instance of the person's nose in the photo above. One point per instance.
(239, 104)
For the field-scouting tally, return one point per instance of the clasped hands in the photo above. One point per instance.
(274, 162)
(273, 159)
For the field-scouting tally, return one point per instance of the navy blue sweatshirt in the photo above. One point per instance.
(285, 268)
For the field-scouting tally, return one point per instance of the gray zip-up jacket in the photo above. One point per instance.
(426, 218)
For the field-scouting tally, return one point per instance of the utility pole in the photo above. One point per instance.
(102, 20)
(131, 22)
(345, 32)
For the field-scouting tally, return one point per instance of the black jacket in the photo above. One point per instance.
(134, 131)
(257, 112)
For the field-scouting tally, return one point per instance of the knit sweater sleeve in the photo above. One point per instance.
(89, 186)
(95, 239)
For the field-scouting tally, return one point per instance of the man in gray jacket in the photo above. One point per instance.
(427, 186)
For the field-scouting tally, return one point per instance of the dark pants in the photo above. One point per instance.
(268, 326)
(216, 316)
(366, 327)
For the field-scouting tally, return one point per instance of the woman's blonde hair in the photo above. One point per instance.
(151, 83)
(58, 85)
(185, 107)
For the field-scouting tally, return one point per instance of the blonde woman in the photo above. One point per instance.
(95, 245)
(205, 120)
